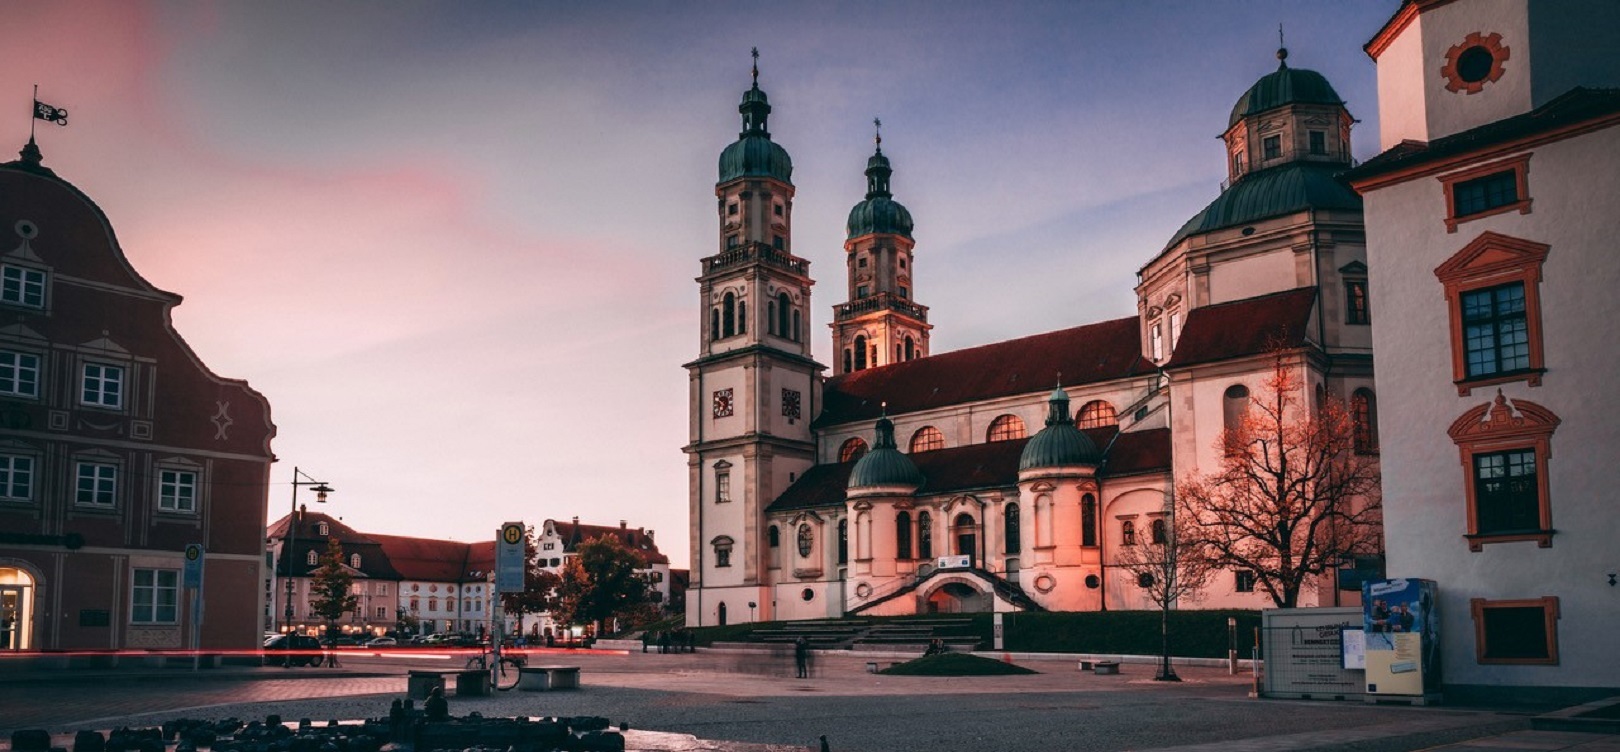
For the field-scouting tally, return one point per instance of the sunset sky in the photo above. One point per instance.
(454, 243)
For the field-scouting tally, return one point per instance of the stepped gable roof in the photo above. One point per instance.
(634, 538)
(1245, 327)
(980, 466)
(1578, 105)
(1083, 355)
(1272, 192)
(426, 559)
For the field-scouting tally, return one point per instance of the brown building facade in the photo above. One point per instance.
(118, 446)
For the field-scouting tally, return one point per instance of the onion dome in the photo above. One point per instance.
(1273, 192)
(879, 213)
(1060, 443)
(884, 465)
(1284, 86)
(754, 154)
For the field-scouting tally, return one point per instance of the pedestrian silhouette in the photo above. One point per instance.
(801, 657)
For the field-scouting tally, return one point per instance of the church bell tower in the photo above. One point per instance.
(881, 323)
(753, 385)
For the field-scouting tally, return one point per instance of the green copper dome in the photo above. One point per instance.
(879, 213)
(754, 154)
(1060, 443)
(1273, 192)
(1284, 86)
(884, 465)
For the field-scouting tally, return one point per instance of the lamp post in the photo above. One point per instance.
(321, 490)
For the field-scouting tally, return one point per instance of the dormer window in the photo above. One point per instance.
(1271, 146)
(321, 529)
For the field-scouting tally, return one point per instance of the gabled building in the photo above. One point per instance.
(557, 541)
(1491, 225)
(118, 446)
(297, 553)
(913, 481)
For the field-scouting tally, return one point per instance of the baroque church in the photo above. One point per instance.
(1008, 476)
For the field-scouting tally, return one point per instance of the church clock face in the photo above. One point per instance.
(791, 404)
(722, 403)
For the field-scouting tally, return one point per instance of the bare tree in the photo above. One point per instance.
(1172, 564)
(1292, 498)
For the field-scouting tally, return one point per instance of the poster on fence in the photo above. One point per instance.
(1402, 637)
(1304, 653)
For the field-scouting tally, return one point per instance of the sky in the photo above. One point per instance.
(454, 243)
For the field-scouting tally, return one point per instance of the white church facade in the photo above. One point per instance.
(1008, 476)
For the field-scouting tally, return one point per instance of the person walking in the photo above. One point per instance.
(801, 657)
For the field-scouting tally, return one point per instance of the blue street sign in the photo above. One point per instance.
(193, 574)
(509, 559)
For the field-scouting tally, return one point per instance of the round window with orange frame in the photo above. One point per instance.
(1474, 62)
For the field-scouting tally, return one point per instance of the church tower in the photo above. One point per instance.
(753, 385)
(881, 323)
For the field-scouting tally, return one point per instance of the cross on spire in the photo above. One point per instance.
(755, 53)
(1282, 48)
(877, 132)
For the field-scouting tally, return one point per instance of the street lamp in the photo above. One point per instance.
(321, 490)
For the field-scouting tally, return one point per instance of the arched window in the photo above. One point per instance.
(433, 604)
(927, 439)
(312, 558)
(1097, 414)
(807, 540)
(860, 352)
(721, 613)
(1127, 533)
(925, 536)
(1364, 415)
(784, 308)
(1010, 529)
(1157, 530)
(911, 349)
(1088, 520)
(843, 541)
(852, 450)
(728, 315)
(773, 536)
(354, 560)
(1234, 405)
(1006, 428)
(902, 535)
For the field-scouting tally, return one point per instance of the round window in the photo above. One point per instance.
(1145, 580)
(808, 594)
(1093, 582)
(1475, 62)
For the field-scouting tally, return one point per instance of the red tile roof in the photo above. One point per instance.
(1244, 327)
(634, 538)
(980, 466)
(1083, 355)
(425, 558)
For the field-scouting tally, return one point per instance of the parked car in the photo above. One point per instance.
(295, 649)
(381, 642)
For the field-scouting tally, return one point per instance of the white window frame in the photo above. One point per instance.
(161, 601)
(1156, 338)
(16, 282)
(19, 374)
(102, 385)
(311, 559)
(177, 490)
(102, 480)
(17, 477)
